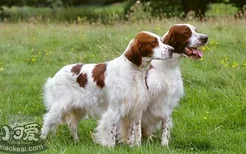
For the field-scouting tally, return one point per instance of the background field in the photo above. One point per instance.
(211, 118)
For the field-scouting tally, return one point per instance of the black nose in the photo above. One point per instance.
(171, 49)
(204, 39)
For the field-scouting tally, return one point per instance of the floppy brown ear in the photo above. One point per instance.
(169, 39)
(175, 40)
(133, 53)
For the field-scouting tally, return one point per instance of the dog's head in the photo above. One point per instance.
(185, 39)
(147, 46)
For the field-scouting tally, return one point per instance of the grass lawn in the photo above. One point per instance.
(211, 118)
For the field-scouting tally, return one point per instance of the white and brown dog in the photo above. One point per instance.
(113, 90)
(164, 81)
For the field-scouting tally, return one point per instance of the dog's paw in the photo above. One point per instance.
(165, 142)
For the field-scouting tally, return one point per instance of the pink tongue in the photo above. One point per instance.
(197, 52)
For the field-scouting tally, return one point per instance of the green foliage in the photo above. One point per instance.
(95, 14)
(135, 11)
(155, 8)
(105, 15)
(36, 3)
(175, 8)
(166, 8)
(221, 10)
(57, 3)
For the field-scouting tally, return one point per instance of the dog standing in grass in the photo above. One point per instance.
(164, 80)
(117, 87)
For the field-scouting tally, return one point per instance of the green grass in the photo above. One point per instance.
(211, 118)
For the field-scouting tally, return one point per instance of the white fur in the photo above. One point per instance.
(121, 100)
(166, 89)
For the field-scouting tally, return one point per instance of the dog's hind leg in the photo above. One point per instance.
(73, 120)
(51, 119)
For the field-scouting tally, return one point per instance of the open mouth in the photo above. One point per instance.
(193, 52)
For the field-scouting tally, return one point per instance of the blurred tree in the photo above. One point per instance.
(108, 2)
(160, 8)
(59, 3)
(237, 3)
(240, 5)
(55, 3)
(88, 2)
(157, 8)
(35, 3)
(198, 6)
(128, 5)
(169, 8)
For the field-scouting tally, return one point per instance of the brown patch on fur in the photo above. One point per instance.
(82, 80)
(98, 74)
(178, 37)
(142, 46)
(76, 69)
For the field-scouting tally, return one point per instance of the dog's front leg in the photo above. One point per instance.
(138, 131)
(131, 133)
(166, 126)
(134, 132)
